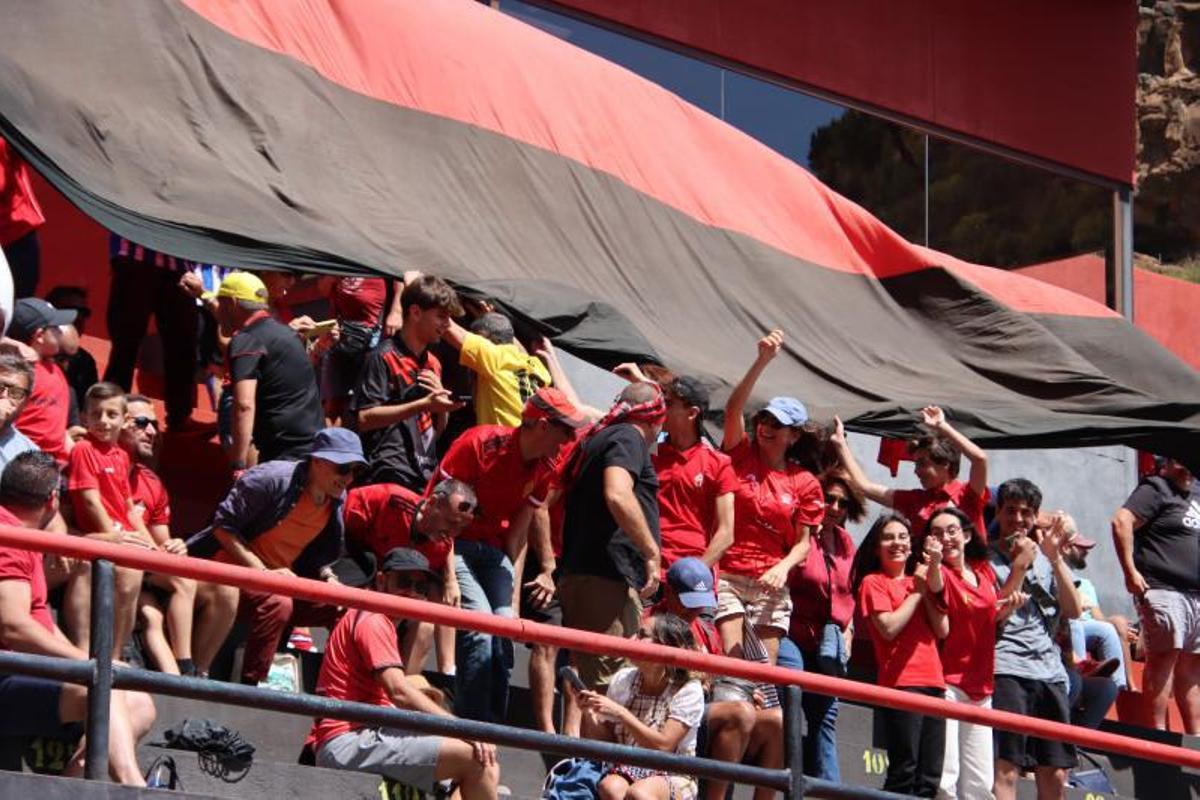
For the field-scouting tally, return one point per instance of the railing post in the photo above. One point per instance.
(100, 687)
(793, 744)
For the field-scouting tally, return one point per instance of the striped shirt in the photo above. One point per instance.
(120, 247)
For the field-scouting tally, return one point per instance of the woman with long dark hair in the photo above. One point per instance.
(898, 598)
(822, 618)
(649, 705)
(777, 505)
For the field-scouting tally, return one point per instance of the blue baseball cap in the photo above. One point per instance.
(338, 445)
(692, 581)
(788, 410)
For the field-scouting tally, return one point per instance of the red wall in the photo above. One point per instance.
(1054, 80)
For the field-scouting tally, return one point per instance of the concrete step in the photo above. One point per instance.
(47, 787)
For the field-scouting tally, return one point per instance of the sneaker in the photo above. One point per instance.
(1090, 668)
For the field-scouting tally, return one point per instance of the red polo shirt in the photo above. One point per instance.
(488, 457)
(911, 659)
(689, 483)
(43, 418)
(918, 505)
(102, 466)
(969, 652)
(821, 590)
(768, 506)
(26, 565)
(380, 518)
(147, 488)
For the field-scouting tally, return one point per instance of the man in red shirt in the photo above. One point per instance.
(936, 461)
(213, 611)
(20, 217)
(510, 469)
(40, 706)
(363, 664)
(695, 481)
(384, 516)
(43, 418)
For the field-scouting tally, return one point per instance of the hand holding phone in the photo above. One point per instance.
(569, 676)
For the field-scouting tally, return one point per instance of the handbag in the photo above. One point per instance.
(1093, 778)
(572, 779)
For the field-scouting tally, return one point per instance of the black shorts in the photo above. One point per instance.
(1040, 700)
(31, 707)
(551, 614)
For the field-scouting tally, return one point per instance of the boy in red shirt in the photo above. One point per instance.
(363, 664)
(98, 482)
(936, 460)
(43, 418)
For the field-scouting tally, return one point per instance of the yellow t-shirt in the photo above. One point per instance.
(507, 377)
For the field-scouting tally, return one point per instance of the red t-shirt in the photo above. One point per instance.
(911, 659)
(689, 483)
(26, 565)
(918, 505)
(361, 644)
(488, 457)
(105, 467)
(768, 505)
(380, 518)
(359, 300)
(147, 488)
(708, 640)
(19, 210)
(969, 652)
(821, 589)
(44, 417)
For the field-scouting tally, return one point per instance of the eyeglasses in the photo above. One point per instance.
(13, 392)
(418, 585)
(141, 422)
(949, 530)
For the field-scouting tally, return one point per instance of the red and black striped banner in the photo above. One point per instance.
(343, 135)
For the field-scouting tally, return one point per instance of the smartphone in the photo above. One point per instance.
(319, 329)
(569, 675)
(462, 398)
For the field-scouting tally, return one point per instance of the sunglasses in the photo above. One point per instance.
(13, 392)
(418, 585)
(347, 469)
(770, 421)
(836, 502)
(144, 422)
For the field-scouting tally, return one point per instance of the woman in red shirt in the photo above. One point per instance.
(776, 506)
(822, 618)
(969, 651)
(899, 600)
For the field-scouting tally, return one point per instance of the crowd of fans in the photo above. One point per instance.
(414, 444)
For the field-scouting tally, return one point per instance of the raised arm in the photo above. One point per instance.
(545, 350)
(1068, 597)
(874, 491)
(935, 419)
(735, 425)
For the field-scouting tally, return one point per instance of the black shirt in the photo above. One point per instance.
(593, 543)
(1166, 549)
(287, 402)
(404, 452)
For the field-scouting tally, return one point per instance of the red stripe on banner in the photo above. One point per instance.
(470, 63)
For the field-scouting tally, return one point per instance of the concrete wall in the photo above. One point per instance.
(1088, 483)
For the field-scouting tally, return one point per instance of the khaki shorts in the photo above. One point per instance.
(764, 608)
(599, 605)
(1170, 621)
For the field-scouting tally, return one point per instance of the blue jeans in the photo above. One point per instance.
(484, 662)
(820, 711)
(1099, 637)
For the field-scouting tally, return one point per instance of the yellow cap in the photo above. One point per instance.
(243, 286)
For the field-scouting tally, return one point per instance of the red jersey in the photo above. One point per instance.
(911, 659)
(361, 644)
(821, 590)
(20, 213)
(102, 466)
(689, 483)
(768, 506)
(380, 518)
(44, 416)
(708, 640)
(359, 300)
(969, 652)
(148, 490)
(918, 505)
(488, 457)
(26, 565)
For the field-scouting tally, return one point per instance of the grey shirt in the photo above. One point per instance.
(1025, 646)
(12, 444)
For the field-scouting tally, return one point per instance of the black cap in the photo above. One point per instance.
(355, 569)
(405, 559)
(691, 391)
(31, 314)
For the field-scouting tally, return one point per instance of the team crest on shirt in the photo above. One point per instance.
(698, 480)
(786, 499)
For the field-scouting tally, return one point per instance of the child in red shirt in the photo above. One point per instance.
(43, 417)
(102, 500)
(905, 619)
